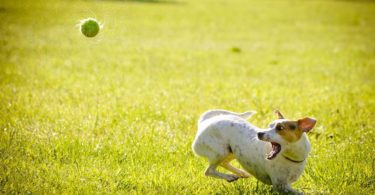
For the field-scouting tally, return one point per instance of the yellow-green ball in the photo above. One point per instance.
(90, 27)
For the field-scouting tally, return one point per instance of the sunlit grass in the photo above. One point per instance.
(117, 113)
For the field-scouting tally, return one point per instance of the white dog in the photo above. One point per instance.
(223, 136)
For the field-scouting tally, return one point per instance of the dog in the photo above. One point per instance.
(276, 156)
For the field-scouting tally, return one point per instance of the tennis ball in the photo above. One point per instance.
(90, 27)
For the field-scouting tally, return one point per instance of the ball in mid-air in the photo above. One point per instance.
(90, 27)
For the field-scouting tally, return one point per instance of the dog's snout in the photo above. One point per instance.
(260, 135)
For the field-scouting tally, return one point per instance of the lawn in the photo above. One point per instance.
(118, 113)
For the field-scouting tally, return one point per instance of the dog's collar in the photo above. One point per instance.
(295, 161)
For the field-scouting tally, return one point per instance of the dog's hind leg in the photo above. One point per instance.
(211, 171)
(215, 159)
(239, 172)
(226, 164)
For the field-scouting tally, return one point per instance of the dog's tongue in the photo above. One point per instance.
(275, 150)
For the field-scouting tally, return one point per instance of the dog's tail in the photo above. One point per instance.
(212, 113)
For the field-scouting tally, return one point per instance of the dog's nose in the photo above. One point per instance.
(260, 135)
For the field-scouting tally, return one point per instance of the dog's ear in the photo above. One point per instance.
(279, 115)
(306, 124)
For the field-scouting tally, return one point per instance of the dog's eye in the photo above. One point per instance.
(279, 127)
(292, 127)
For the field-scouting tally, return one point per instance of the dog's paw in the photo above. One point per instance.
(286, 190)
(232, 178)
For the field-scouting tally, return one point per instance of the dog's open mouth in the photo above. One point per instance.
(276, 148)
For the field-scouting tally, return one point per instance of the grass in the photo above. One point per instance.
(117, 113)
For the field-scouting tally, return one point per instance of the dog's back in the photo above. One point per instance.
(212, 113)
(213, 127)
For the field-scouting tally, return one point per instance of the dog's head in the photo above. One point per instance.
(284, 131)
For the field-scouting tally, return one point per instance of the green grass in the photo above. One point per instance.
(117, 113)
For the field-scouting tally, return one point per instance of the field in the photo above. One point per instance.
(117, 113)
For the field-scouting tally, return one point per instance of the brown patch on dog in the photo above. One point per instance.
(289, 130)
(306, 124)
(292, 131)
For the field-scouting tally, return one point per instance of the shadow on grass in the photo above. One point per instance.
(152, 1)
